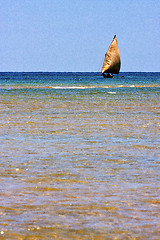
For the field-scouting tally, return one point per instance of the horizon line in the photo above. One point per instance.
(74, 72)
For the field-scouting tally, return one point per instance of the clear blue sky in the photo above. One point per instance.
(73, 35)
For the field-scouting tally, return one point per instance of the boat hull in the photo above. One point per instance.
(108, 75)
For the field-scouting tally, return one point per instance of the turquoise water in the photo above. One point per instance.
(79, 156)
(77, 80)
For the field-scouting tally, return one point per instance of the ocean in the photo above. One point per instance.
(80, 156)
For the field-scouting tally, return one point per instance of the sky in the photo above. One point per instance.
(74, 35)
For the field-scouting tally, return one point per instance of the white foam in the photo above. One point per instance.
(112, 92)
(72, 87)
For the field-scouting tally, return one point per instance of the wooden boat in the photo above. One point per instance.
(112, 61)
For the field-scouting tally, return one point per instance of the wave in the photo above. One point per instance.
(77, 87)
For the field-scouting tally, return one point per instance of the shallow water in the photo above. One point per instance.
(79, 156)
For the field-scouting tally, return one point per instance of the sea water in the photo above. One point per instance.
(80, 156)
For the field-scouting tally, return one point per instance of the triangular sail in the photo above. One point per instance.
(112, 61)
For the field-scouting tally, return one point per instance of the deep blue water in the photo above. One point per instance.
(77, 79)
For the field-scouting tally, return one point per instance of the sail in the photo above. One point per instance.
(112, 61)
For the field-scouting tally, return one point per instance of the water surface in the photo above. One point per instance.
(79, 156)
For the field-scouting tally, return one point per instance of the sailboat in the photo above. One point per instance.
(112, 61)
